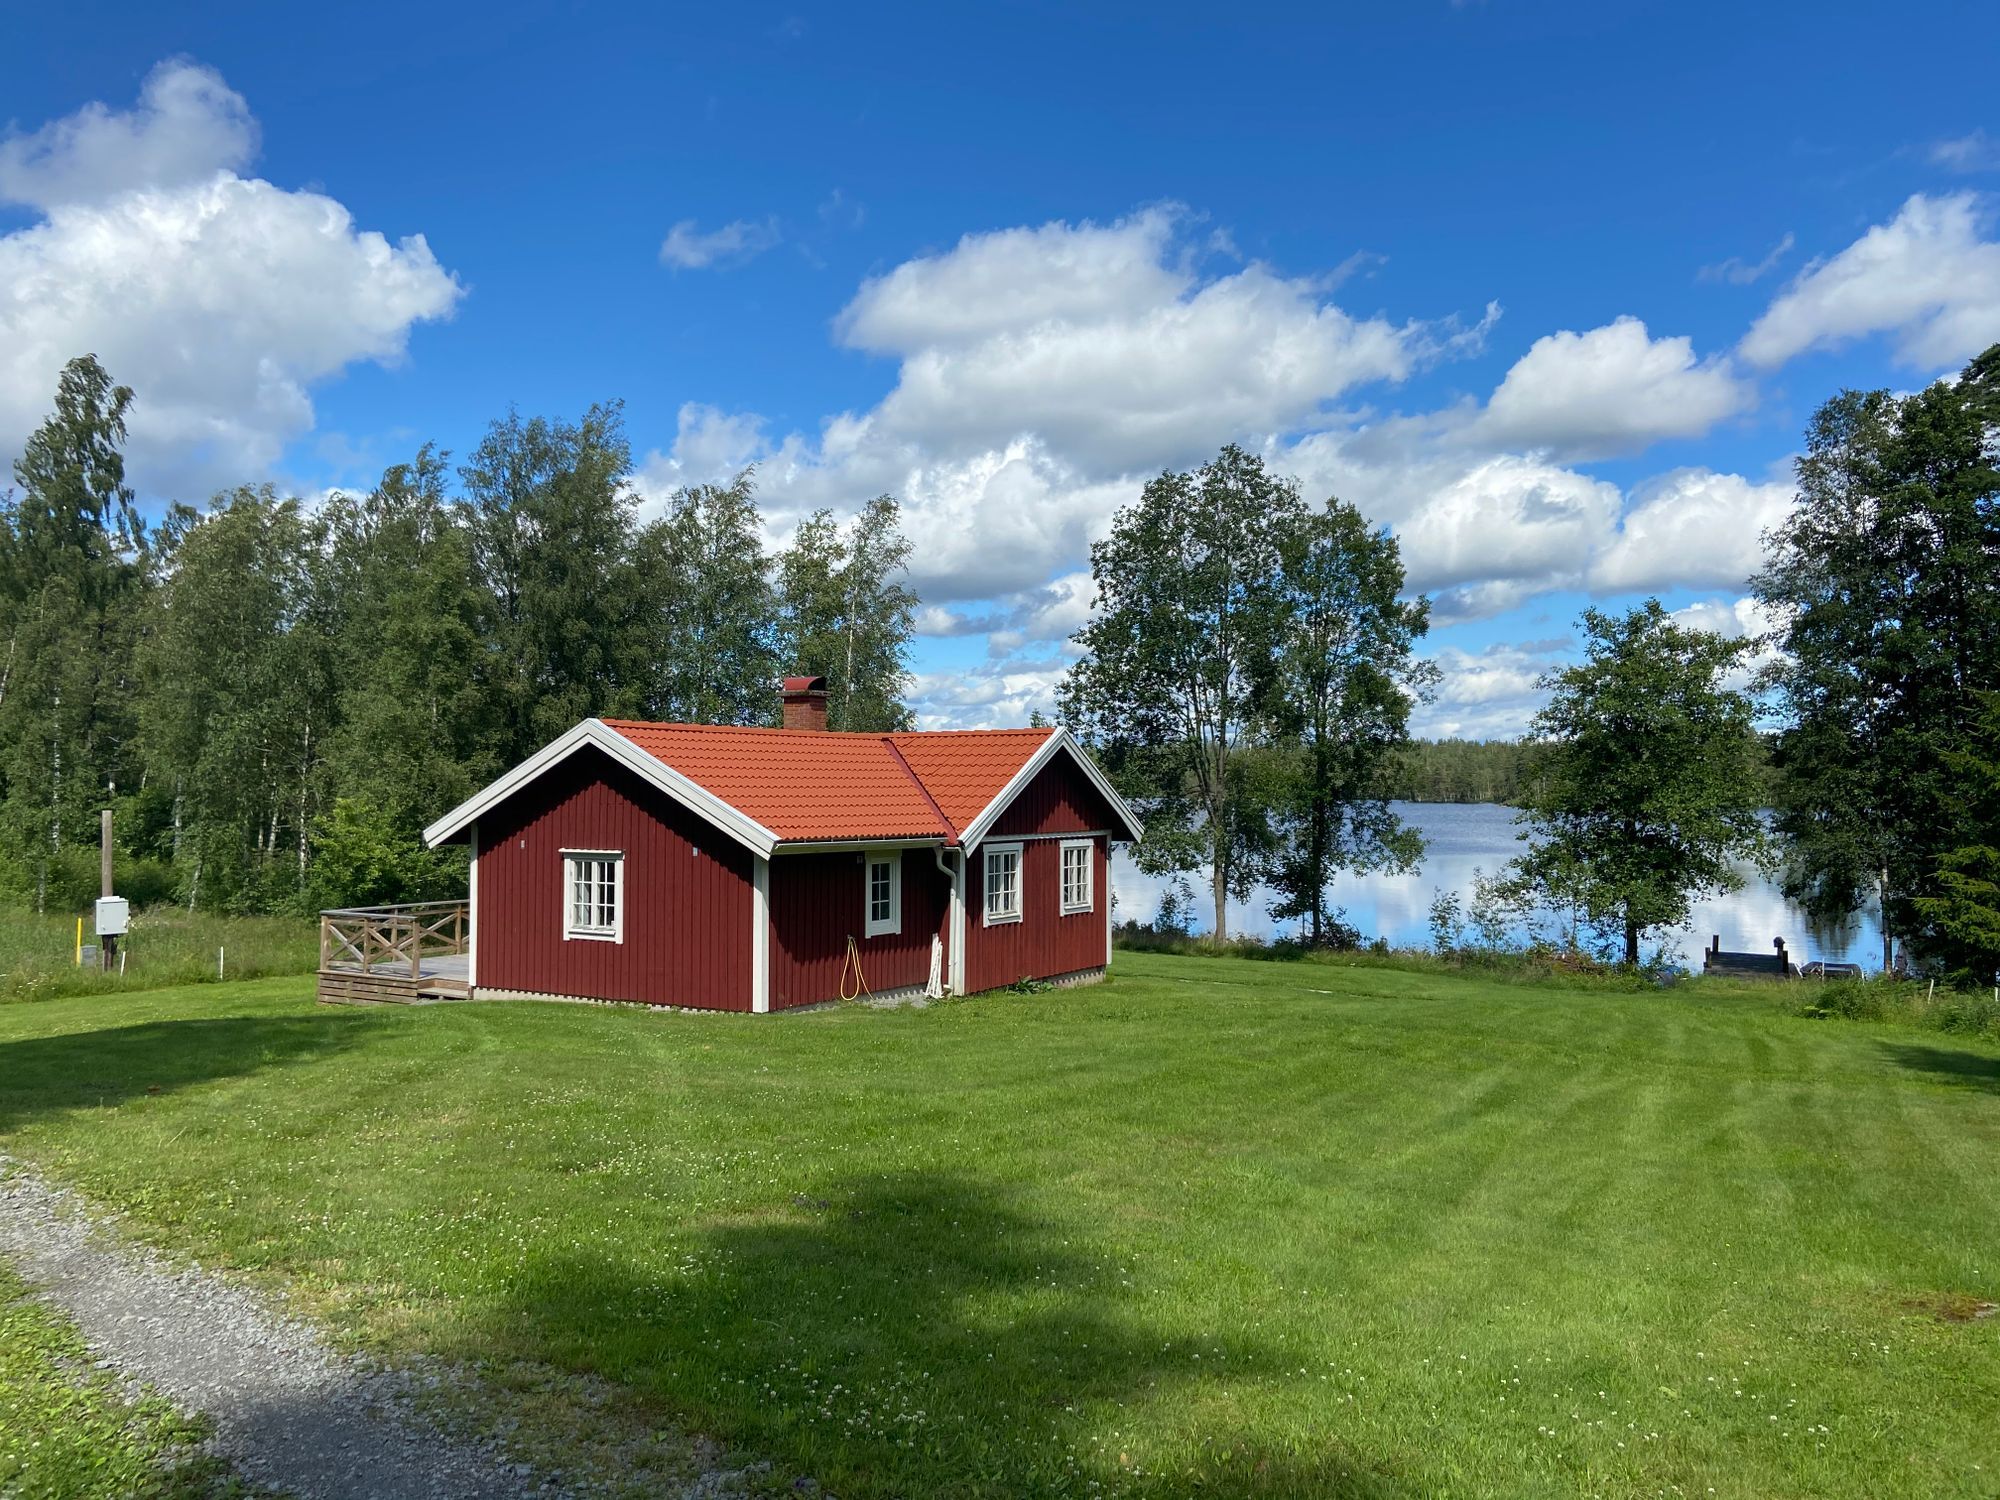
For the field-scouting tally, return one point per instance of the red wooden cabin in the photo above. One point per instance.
(760, 869)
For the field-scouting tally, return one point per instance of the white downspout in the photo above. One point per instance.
(954, 921)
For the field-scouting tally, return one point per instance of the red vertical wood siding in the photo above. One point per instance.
(817, 903)
(688, 890)
(1044, 942)
(1059, 800)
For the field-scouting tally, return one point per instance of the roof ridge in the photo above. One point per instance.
(889, 743)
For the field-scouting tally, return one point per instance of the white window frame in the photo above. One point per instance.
(990, 853)
(593, 932)
(872, 925)
(1067, 907)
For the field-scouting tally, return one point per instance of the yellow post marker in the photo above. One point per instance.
(79, 942)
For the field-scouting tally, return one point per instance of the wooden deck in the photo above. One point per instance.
(396, 955)
(1777, 964)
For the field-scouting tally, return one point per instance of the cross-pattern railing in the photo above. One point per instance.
(383, 939)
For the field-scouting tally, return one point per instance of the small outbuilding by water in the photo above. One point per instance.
(749, 869)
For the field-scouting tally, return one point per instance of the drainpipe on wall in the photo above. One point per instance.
(954, 959)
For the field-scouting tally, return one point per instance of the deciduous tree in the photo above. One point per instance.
(846, 615)
(712, 610)
(1178, 664)
(1646, 788)
(1347, 678)
(1886, 583)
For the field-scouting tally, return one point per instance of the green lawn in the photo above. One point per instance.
(1219, 1227)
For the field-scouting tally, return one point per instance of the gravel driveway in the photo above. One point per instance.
(289, 1412)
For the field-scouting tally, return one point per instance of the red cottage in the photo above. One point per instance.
(760, 869)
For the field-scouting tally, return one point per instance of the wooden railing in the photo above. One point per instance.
(385, 938)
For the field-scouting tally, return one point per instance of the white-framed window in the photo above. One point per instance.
(1003, 883)
(1079, 867)
(594, 894)
(883, 892)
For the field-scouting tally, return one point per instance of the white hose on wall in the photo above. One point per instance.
(934, 987)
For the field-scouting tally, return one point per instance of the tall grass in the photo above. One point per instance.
(1904, 1001)
(165, 946)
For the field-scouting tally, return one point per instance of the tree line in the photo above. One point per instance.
(1250, 674)
(1459, 770)
(274, 698)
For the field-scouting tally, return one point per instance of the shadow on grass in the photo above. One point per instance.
(920, 1334)
(91, 1069)
(1967, 1069)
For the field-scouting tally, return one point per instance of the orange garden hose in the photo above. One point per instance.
(853, 961)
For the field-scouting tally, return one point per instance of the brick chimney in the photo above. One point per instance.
(805, 702)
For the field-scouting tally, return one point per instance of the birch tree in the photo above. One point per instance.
(1179, 664)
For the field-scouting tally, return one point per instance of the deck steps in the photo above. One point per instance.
(354, 987)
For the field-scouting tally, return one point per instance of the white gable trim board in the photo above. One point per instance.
(1058, 740)
(597, 735)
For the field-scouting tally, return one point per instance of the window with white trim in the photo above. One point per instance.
(1003, 883)
(1078, 868)
(884, 893)
(594, 894)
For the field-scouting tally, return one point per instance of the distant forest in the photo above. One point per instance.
(1453, 770)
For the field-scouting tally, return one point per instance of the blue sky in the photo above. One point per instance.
(1550, 289)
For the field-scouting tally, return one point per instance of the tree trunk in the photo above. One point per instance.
(1221, 887)
(1888, 939)
(1631, 941)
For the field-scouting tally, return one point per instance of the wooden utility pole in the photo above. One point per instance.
(107, 947)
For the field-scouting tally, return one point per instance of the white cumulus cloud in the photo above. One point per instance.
(1929, 277)
(1043, 374)
(1691, 529)
(187, 126)
(219, 299)
(1608, 391)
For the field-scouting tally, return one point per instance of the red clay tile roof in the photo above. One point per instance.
(965, 769)
(811, 786)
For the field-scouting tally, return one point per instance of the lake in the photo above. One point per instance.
(1466, 839)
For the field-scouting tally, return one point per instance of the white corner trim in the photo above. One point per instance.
(597, 735)
(760, 935)
(472, 911)
(1059, 739)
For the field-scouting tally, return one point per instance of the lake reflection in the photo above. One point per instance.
(1465, 839)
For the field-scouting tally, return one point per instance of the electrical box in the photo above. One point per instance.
(114, 915)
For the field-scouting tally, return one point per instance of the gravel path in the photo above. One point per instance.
(289, 1412)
